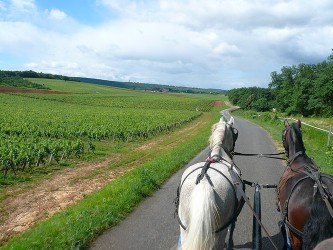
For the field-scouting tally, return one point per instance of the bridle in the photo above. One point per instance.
(235, 137)
(286, 147)
(234, 131)
(284, 141)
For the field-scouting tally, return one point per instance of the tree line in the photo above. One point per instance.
(33, 74)
(13, 80)
(16, 79)
(305, 89)
(151, 87)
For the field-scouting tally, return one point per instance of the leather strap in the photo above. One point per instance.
(256, 216)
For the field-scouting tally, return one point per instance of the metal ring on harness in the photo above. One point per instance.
(239, 204)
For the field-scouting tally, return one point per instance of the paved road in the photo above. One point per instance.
(153, 226)
(253, 139)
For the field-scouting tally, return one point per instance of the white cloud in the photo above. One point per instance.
(225, 49)
(17, 10)
(23, 5)
(138, 9)
(55, 14)
(17, 37)
(203, 43)
(2, 6)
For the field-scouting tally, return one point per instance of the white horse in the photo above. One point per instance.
(208, 196)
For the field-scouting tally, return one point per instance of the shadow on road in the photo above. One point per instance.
(266, 243)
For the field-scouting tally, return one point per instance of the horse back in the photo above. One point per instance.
(223, 179)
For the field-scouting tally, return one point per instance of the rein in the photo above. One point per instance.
(252, 184)
(316, 176)
(290, 161)
(272, 156)
(205, 168)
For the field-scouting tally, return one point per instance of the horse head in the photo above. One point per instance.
(223, 138)
(292, 139)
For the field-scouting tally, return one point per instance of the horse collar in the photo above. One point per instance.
(295, 156)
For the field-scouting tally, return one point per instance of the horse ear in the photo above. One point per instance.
(286, 123)
(299, 123)
(231, 121)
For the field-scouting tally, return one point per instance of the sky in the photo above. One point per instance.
(222, 44)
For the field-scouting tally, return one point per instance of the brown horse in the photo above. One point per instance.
(304, 195)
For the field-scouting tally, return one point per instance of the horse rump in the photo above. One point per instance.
(203, 215)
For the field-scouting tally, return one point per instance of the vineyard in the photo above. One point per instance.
(42, 129)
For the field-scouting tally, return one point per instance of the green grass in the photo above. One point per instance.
(75, 227)
(315, 141)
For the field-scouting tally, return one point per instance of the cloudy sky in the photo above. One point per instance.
(199, 43)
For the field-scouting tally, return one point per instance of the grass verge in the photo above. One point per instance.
(315, 141)
(75, 227)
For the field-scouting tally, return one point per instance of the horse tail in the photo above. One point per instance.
(319, 225)
(203, 213)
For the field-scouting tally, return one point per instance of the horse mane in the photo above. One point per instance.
(216, 139)
(299, 135)
(319, 226)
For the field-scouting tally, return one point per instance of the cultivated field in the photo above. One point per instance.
(57, 149)
(39, 128)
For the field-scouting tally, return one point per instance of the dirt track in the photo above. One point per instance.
(34, 91)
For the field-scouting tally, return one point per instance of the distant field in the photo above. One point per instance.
(77, 87)
(39, 128)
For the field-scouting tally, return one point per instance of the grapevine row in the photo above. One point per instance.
(41, 129)
(19, 154)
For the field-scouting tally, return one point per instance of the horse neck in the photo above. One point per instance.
(218, 141)
(296, 145)
(297, 156)
(219, 151)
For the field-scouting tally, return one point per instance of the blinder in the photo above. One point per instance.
(284, 141)
(234, 137)
(235, 133)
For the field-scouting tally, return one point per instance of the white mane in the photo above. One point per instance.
(215, 140)
(218, 133)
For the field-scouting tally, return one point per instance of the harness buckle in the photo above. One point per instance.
(211, 160)
(315, 189)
